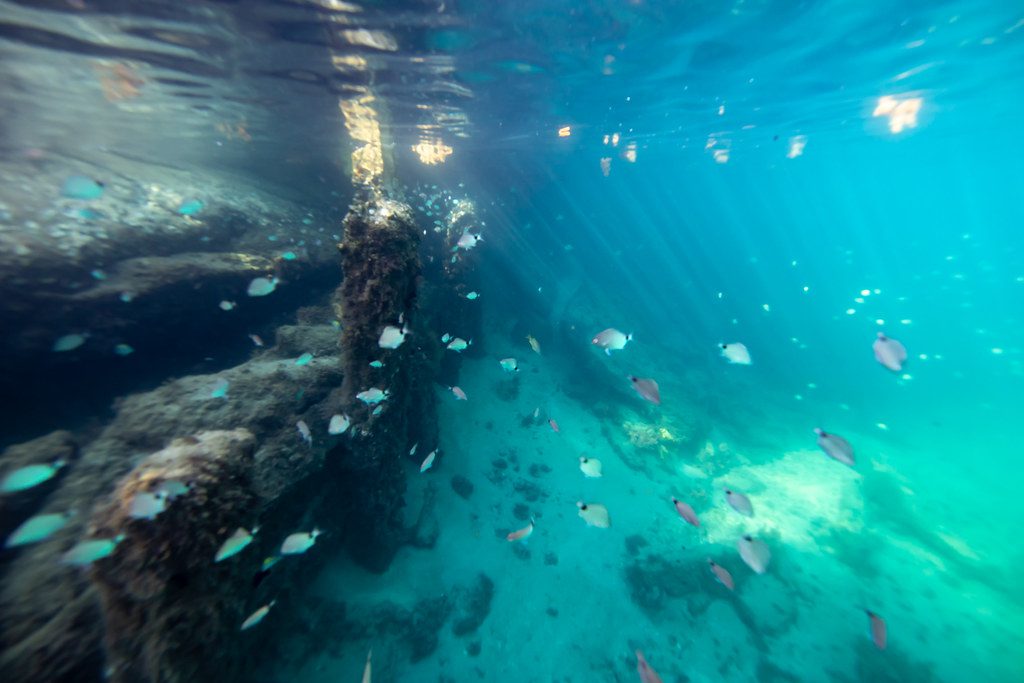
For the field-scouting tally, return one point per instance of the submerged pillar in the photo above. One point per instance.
(381, 271)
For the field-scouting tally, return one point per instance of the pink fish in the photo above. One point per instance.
(647, 388)
(835, 446)
(522, 534)
(879, 633)
(460, 395)
(647, 674)
(554, 425)
(889, 353)
(754, 553)
(739, 502)
(721, 574)
(256, 339)
(686, 512)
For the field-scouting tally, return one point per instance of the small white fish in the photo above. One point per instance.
(890, 353)
(459, 345)
(304, 359)
(509, 365)
(590, 467)
(368, 669)
(372, 396)
(304, 432)
(754, 553)
(445, 338)
(220, 388)
(722, 574)
(124, 350)
(36, 529)
(262, 286)
(376, 363)
(594, 514)
(736, 353)
(611, 340)
(30, 475)
(235, 543)
(739, 502)
(392, 337)
(468, 241)
(256, 339)
(69, 342)
(299, 542)
(460, 395)
(686, 512)
(835, 446)
(146, 505)
(339, 424)
(257, 616)
(428, 461)
(412, 451)
(227, 305)
(85, 553)
(172, 488)
(472, 296)
(377, 411)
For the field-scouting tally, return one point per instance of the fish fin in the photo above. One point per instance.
(608, 352)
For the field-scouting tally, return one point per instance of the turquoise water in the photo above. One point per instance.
(795, 177)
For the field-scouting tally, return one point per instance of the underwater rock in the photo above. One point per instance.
(295, 340)
(62, 263)
(528, 490)
(462, 486)
(426, 621)
(48, 611)
(381, 266)
(653, 581)
(473, 605)
(168, 615)
(425, 532)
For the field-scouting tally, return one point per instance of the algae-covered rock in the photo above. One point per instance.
(381, 265)
(167, 615)
(48, 611)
